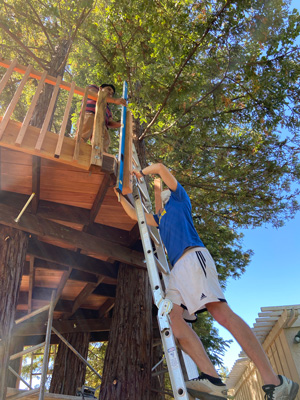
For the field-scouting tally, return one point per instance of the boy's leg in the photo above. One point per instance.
(87, 127)
(209, 380)
(223, 314)
(190, 342)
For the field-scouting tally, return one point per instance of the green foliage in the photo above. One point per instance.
(32, 367)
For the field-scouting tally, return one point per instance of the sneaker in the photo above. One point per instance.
(202, 385)
(287, 390)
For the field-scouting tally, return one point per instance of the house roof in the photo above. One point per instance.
(269, 319)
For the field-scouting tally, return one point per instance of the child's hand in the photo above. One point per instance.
(137, 174)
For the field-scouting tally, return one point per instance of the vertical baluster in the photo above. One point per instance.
(64, 122)
(44, 129)
(13, 103)
(28, 116)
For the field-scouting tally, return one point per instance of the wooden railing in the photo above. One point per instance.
(42, 141)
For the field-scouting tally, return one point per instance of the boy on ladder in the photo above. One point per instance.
(194, 287)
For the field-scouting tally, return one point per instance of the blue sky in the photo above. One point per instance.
(273, 276)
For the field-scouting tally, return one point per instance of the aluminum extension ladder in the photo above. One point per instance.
(156, 262)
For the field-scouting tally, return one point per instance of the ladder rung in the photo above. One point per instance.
(135, 162)
(142, 191)
(161, 267)
(145, 208)
(154, 238)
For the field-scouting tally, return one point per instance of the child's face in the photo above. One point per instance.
(109, 91)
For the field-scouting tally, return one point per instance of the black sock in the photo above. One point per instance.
(212, 379)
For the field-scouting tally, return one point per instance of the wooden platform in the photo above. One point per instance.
(21, 394)
(78, 234)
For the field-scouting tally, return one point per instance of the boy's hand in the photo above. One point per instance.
(137, 173)
(121, 102)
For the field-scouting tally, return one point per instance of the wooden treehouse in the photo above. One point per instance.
(78, 231)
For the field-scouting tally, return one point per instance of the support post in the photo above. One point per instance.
(13, 247)
(122, 142)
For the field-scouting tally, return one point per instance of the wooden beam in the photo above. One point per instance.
(106, 307)
(36, 179)
(31, 283)
(98, 129)
(43, 264)
(66, 326)
(71, 259)
(100, 197)
(105, 290)
(76, 215)
(51, 230)
(83, 295)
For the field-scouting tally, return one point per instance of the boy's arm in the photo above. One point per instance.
(119, 102)
(113, 124)
(130, 211)
(162, 171)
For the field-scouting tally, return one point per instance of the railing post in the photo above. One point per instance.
(98, 129)
(122, 141)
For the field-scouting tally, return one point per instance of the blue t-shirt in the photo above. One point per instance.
(176, 226)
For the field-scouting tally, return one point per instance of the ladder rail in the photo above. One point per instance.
(167, 337)
(159, 262)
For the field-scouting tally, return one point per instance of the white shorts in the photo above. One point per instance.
(194, 282)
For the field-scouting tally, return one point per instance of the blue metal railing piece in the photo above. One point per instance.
(119, 185)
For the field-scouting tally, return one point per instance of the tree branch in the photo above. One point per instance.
(196, 103)
(17, 40)
(124, 55)
(42, 26)
(183, 65)
(98, 50)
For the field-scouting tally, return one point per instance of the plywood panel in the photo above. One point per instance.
(47, 278)
(57, 243)
(24, 287)
(72, 289)
(112, 213)
(68, 185)
(93, 302)
(16, 172)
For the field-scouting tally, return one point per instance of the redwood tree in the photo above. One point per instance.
(13, 247)
(127, 370)
(69, 370)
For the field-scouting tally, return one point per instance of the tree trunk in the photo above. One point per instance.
(128, 360)
(69, 370)
(16, 345)
(158, 381)
(13, 246)
(56, 68)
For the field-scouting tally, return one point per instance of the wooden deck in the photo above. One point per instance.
(78, 233)
(21, 394)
